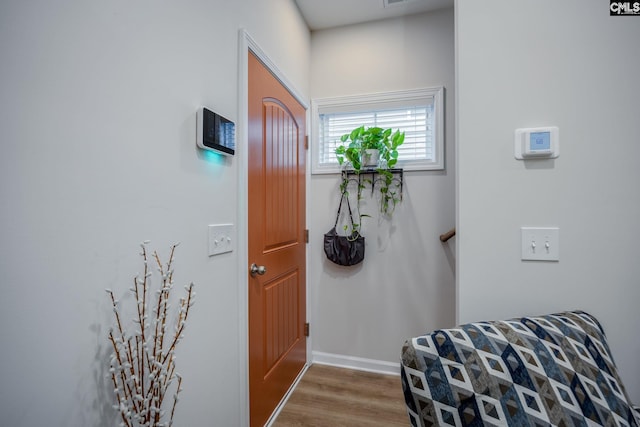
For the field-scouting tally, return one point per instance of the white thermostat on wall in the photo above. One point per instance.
(537, 143)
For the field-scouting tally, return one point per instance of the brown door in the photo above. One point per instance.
(277, 297)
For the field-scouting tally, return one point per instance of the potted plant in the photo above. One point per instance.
(362, 145)
(357, 150)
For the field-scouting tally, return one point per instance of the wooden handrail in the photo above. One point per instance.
(449, 234)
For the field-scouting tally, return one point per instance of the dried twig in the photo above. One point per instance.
(142, 365)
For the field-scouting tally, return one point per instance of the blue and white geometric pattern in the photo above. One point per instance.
(554, 370)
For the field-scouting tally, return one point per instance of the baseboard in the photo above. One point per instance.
(358, 363)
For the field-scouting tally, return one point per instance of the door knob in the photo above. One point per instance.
(257, 269)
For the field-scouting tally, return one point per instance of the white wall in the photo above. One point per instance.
(565, 64)
(405, 285)
(97, 126)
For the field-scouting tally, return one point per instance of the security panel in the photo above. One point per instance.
(215, 133)
(537, 143)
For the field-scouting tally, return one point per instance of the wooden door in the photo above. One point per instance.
(277, 298)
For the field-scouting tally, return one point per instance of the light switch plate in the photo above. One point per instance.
(540, 243)
(221, 239)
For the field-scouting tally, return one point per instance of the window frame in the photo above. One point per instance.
(357, 103)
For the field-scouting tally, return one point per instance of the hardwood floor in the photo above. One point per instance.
(327, 396)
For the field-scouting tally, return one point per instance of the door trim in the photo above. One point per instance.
(245, 45)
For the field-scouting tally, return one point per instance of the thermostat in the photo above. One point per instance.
(537, 143)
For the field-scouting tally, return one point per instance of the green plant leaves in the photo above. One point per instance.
(386, 141)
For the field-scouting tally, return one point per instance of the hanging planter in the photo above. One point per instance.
(358, 152)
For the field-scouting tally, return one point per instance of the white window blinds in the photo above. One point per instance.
(414, 112)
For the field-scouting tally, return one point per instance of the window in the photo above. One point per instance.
(419, 113)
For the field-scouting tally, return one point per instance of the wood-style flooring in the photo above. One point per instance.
(327, 396)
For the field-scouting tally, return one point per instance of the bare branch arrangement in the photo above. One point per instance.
(142, 365)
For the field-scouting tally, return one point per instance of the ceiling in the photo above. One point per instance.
(321, 14)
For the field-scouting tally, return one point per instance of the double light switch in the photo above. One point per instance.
(540, 244)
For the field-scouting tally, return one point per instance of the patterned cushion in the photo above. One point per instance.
(553, 370)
